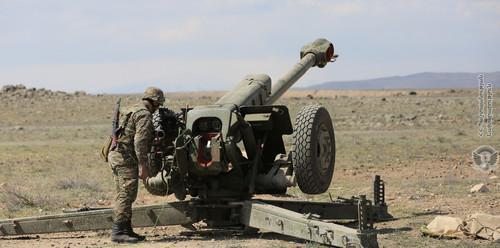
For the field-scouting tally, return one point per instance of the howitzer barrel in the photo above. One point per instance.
(256, 89)
(287, 80)
(317, 53)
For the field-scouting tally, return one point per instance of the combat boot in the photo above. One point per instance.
(119, 233)
(130, 232)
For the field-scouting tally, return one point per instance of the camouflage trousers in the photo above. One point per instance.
(125, 174)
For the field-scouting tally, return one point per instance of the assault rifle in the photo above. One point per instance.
(116, 125)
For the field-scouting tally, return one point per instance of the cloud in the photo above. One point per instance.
(337, 8)
(212, 44)
(488, 5)
(170, 74)
(185, 31)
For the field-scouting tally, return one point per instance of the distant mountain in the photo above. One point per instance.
(418, 80)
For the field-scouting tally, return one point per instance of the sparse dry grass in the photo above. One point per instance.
(16, 198)
(419, 144)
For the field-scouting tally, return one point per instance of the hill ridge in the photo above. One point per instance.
(415, 80)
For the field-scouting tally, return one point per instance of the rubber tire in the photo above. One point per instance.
(310, 178)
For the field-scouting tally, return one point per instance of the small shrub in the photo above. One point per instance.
(74, 183)
(14, 199)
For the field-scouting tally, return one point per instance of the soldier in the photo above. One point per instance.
(129, 161)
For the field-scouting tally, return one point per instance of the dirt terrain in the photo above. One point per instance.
(420, 142)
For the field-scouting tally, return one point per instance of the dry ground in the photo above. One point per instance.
(420, 144)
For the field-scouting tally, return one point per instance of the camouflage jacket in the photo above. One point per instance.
(134, 142)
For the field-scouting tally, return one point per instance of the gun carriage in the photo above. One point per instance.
(223, 155)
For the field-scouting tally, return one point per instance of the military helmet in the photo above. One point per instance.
(154, 94)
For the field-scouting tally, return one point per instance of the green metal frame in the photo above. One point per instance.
(341, 222)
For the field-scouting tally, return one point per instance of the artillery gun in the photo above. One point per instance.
(206, 160)
(223, 154)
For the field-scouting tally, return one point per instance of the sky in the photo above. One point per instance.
(119, 46)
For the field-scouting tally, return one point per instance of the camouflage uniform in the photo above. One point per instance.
(133, 145)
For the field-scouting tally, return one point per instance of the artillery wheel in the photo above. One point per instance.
(314, 149)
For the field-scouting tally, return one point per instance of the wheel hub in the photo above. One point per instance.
(324, 148)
